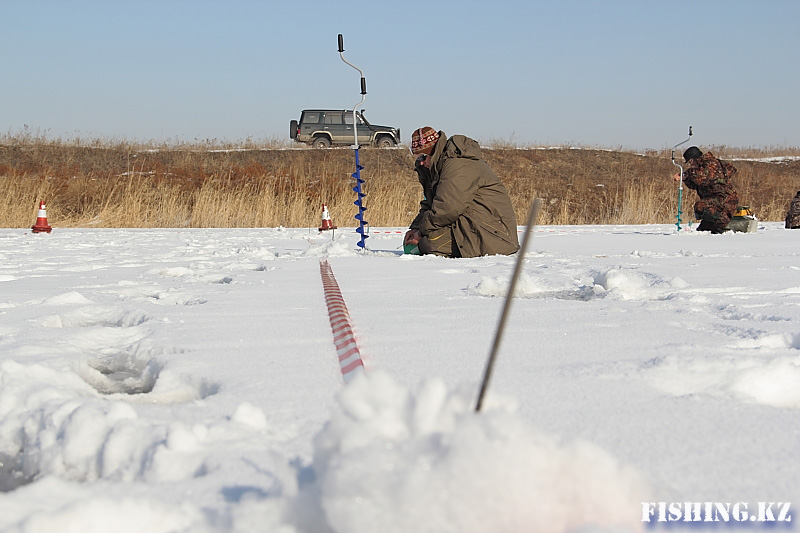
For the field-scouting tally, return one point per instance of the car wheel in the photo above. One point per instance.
(293, 129)
(321, 142)
(384, 141)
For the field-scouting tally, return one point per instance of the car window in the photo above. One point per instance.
(310, 118)
(333, 118)
(348, 118)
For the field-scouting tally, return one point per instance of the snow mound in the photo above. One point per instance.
(628, 284)
(770, 379)
(328, 249)
(89, 514)
(392, 460)
(68, 298)
(250, 415)
(614, 283)
(389, 459)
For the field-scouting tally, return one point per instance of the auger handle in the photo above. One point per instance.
(363, 90)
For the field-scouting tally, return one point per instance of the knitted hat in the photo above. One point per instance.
(692, 153)
(423, 140)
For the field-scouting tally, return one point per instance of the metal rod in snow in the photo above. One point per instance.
(680, 181)
(530, 225)
(363, 91)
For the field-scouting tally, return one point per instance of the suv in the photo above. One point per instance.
(323, 127)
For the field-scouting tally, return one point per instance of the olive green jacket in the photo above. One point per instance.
(464, 194)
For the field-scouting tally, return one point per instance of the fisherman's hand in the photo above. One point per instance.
(412, 237)
(676, 177)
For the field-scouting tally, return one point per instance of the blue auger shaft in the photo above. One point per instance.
(359, 195)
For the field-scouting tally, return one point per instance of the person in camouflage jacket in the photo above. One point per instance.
(793, 216)
(711, 179)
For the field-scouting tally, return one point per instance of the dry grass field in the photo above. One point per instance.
(269, 184)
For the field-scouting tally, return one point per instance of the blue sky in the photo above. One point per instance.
(630, 74)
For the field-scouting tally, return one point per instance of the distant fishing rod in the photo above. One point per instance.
(680, 183)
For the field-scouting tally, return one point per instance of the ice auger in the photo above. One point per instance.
(363, 226)
(680, 183)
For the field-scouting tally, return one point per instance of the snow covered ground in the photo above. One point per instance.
(188, 381)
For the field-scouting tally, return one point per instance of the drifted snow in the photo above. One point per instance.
(187, 380)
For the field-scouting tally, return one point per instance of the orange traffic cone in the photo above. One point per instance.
(41, 225)
(327, 223)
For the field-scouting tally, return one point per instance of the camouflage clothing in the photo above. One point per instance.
(793, 216)
(710, 178)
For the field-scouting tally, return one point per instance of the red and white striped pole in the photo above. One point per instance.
(343, 339)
